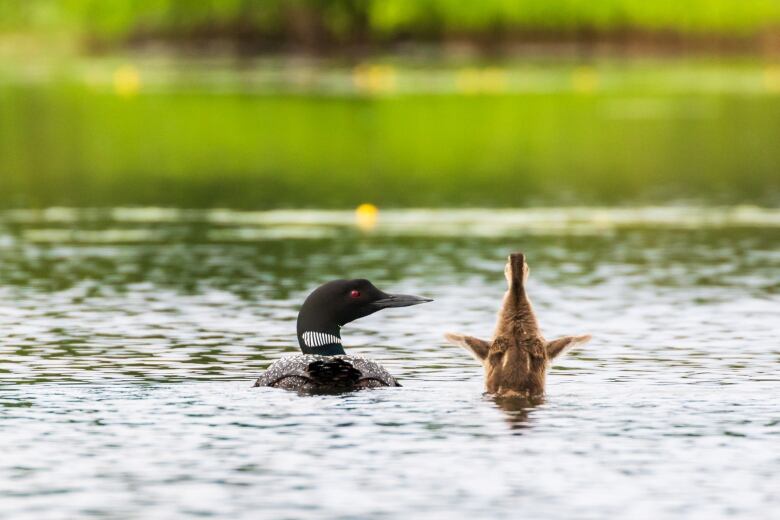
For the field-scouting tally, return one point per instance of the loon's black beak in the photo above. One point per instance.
(399, 300)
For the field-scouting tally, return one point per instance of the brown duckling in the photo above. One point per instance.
(517, 359)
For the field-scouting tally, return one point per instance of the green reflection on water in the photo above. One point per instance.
(613, 140)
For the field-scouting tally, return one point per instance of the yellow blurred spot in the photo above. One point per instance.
(585, 79)
(374, 78)
(366, 216)
(772, 78)
(468, 81)
(127, 81)
(472, 81)
(494, 79)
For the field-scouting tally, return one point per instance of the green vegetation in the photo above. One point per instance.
(165, 128)
(309, 21)
(574, 135)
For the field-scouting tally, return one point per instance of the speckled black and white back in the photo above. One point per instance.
(312, 373)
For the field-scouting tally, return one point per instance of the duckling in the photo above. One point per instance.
(324, 366)
(517, 358)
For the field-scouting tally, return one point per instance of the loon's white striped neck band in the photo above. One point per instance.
(319, 339)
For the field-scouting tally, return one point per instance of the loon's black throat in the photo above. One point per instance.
(318, 331)
(321, 343)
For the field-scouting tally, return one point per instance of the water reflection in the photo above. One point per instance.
(665, 133)
(517, 410)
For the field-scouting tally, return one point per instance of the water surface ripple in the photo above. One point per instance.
(130, 340)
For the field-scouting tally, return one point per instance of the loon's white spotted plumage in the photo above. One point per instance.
(318, 339)
(316, 373)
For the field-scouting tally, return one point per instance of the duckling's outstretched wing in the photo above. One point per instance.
(325, 374)
(478, 348)
(562, 345)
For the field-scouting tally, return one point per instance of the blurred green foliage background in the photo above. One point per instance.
(396, 102)
(386, 19)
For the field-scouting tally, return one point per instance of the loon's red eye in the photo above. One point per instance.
(355, 293)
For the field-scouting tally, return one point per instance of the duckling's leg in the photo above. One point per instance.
(559, 346)
(478, 347)
(517, 313)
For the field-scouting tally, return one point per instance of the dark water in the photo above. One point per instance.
(130, 339)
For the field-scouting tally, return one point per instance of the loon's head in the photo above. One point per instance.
(337, 303)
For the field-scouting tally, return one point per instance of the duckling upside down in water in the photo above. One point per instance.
(324, 365)
(517, 359)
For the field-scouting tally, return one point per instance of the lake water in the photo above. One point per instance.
(131, 338)
(259, 135)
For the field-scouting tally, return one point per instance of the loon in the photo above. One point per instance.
(517, 358)
(324, 366)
